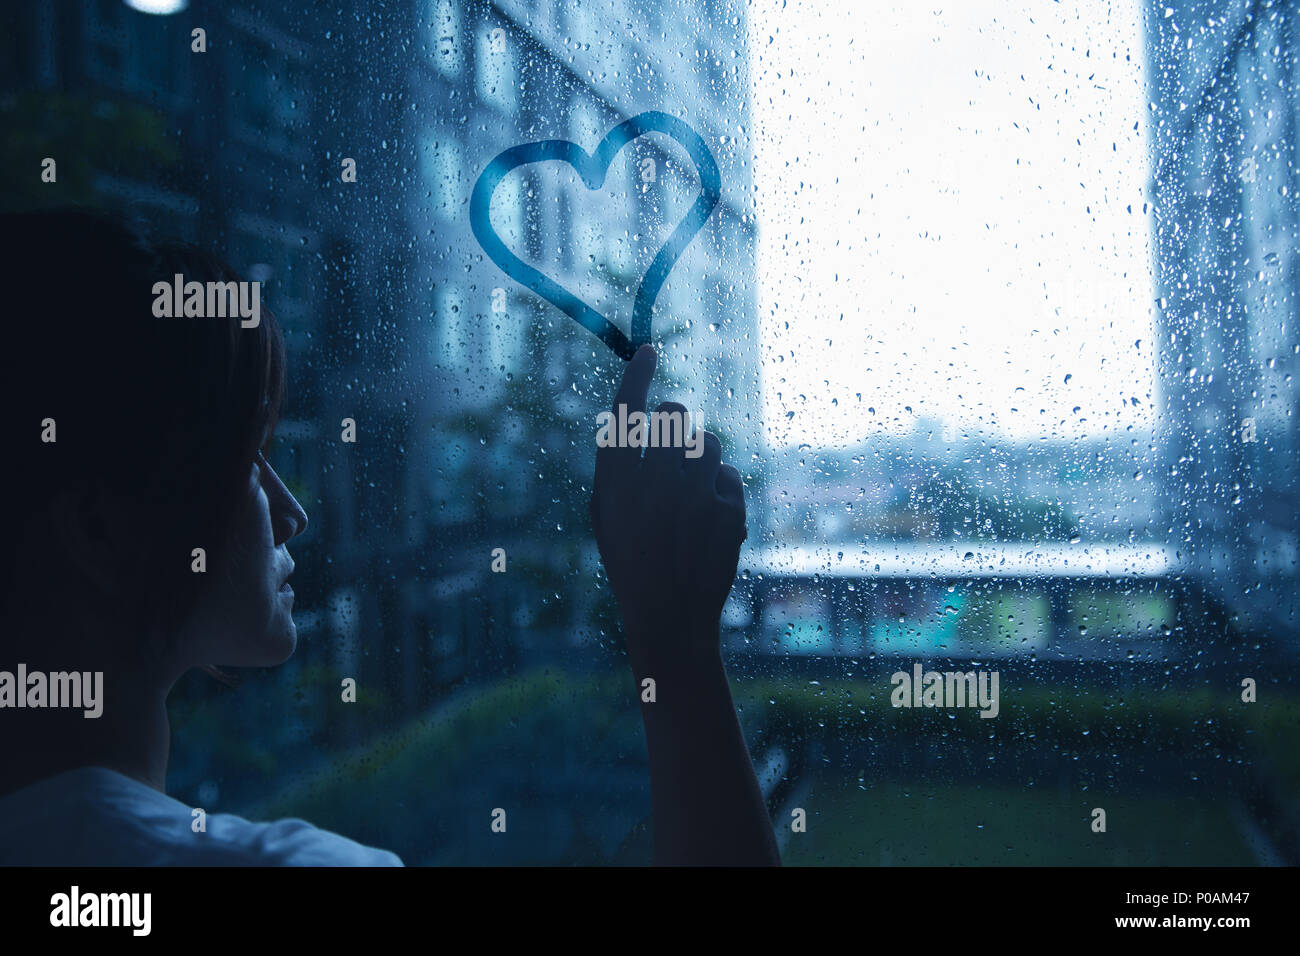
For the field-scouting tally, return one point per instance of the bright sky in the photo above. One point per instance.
(951, 211)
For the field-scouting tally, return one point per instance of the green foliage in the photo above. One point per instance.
(85, 135)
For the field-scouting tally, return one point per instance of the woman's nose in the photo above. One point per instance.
(290, 518)
(295, 516)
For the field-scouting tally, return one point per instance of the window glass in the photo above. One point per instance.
(496, 69)
(444, 37)
(444, 165)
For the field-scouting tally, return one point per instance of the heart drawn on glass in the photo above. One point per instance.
(593, 167)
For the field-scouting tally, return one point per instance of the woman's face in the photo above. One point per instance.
(244, 617)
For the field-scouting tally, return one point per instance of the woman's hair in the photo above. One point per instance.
(164, 415)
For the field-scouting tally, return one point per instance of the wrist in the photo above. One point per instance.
(673, 643)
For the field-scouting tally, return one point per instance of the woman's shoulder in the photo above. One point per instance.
(94, 816)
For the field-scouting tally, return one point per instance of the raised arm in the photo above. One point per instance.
(669, 528)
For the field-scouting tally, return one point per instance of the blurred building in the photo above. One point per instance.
(1223, 81)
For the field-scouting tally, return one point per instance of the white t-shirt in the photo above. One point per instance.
(93, 816)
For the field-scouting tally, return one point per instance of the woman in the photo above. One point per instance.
(147, 536)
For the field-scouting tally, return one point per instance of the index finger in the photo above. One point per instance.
(632, 394)
(635, 387)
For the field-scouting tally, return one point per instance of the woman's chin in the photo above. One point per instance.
(274, 648)
(285, 644)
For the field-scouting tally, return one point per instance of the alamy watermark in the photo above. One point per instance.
(75, 908)
(655, 430)
(208, 300)
(61, 689)
(946, 689)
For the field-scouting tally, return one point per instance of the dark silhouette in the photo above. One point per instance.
(669, 528)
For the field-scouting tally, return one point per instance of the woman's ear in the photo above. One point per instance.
(90, 530)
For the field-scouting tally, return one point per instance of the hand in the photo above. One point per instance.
(669, 529)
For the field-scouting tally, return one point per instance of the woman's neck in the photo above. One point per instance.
(42, 738)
